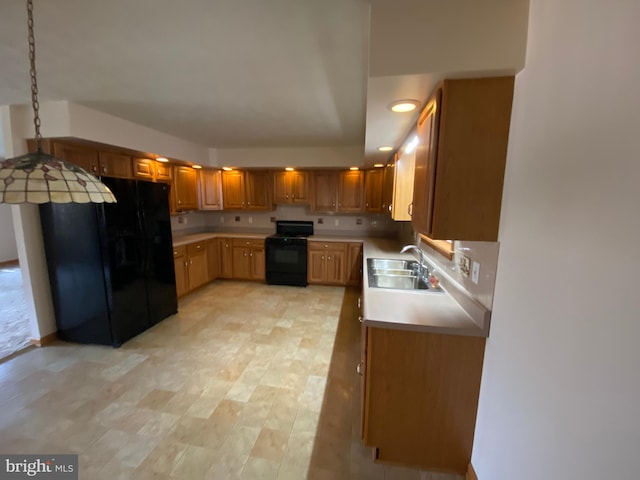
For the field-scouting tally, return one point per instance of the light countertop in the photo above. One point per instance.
(451, 312)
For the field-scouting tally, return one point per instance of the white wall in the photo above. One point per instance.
(8, 248)
(560, 391)
(346, 156)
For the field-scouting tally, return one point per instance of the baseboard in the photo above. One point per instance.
(471, 473)
(9, 263)
(46, 340)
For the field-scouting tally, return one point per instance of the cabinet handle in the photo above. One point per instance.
(328, 258)
(198, 246)
(190, 262)
(244, 254)
(186, 264)
(287, 196)
(326, 246)
(292, 197)
(179, 202)
(390, 207)
(104, 169)
(247, 243)
(360, 318)
(359, 302)
(248, 203)
(359, 369)
(322, 257)
(175, 252)
(251, 254)
(410, 209)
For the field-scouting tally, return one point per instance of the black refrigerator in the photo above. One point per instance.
(111, 265)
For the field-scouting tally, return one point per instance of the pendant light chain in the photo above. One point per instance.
(34, 81)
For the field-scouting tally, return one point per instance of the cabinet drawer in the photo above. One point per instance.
(327, 245)
(179, 251)
(248, 242)
(196, 248)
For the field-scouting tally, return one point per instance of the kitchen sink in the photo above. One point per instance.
(396, 274)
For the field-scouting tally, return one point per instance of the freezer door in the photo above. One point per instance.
(74, 259)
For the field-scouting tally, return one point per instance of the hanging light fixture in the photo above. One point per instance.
(39, 177)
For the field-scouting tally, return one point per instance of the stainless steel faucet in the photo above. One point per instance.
(422, 267)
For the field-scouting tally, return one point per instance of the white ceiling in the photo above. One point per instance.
(226, 73)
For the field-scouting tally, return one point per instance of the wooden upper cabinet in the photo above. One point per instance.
(233, 189)
(374, 188)
(291, 187)
(323, 191)
(258, 193)
(403, 186)
(210, 182)
(246, 189)
(185, 188)
(84, 157)
(387, 186)
(152, 170)
(115, 165)
(351, 191)
(460, 160)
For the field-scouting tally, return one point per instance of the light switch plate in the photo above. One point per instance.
(475, 273)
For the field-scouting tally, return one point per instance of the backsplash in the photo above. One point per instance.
(246, 221)
(485, 253)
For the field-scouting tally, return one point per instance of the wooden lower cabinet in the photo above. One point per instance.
(225, 264)
(354, 264)
(180, 267)
(191, 267)
(213, 259)
(326, 264)
(420, 397)
(248, 259)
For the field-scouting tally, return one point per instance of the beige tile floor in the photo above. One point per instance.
(247, 381)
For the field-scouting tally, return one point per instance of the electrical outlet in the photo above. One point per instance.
(475, 273)
(221, 219)
(250, 219)
(320, 221)
(464, 264)
(182, 219)
(273, 219)
(237, 218)
(336, 222)
(359, 221)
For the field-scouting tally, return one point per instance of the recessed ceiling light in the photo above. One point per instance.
(227, 169)
(196, 166)
(378, 165)
(354, 168)
(385, 148)
(289, 169)
(162, 159)
(402, 106)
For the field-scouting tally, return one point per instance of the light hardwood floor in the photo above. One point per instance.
(247, 381)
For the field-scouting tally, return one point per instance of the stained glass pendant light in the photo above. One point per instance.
(39, 177)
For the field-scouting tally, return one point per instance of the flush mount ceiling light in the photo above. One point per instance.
(378, 165)
(162, 159)
(227, 169)
(402, 106)
(289, 169)
(39, 177)
(196, 166)
(353, 168)
(385, 148)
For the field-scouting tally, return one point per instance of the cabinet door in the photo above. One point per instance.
(387, 189)
(354, 264)
(144, 169)
(180, 266)
(336, 266)
(213, 259)
(281, 187)
(210, 189)
(403, 191)
(351, 192)
(198, 265)
(299, 187)
(258, 194)
(323, 192)
(423, 185)
(233, 189)
(185, 185)
(164, 172)
(257, 263)
(374, 183)
(241, 263)
(317, 267)
(115, 165)
(84, 157)
(226, 258)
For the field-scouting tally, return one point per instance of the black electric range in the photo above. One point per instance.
(286, 253)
